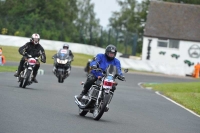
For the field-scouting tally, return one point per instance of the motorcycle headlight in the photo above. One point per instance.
(62, 61)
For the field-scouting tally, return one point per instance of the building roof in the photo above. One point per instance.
(173, 21)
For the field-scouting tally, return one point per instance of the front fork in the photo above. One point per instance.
(25, 71)
(99, 96)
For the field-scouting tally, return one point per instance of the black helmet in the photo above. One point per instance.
(111, 52)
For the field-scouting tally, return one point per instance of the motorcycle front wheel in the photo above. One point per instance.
(100, 109)
(60, 77)
(20, 79)
(26, 79)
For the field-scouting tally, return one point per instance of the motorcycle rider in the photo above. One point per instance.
(34, 49)
(65, 46)
(102, 61)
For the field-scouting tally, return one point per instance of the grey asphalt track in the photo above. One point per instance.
(49, 107)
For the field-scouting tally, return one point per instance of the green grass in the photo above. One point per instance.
(187, 94)
(8, 68)
(11, 54)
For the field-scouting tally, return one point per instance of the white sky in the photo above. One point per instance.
(104, 9)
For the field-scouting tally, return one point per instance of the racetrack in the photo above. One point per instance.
(49, 107)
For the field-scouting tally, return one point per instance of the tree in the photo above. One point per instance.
(52, 19)
(87, 24)
(127, 22)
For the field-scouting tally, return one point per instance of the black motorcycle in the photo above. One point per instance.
(26, 75)
(100, 94)
(87, 68)
(62, 64)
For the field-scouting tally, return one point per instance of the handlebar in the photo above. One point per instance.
(122, 78)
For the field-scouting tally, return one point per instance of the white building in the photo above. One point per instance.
(172, 35)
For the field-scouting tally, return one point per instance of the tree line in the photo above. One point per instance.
(76, 21)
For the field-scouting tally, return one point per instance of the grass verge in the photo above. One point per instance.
(8, 68)
(186, 94)
(11, 54)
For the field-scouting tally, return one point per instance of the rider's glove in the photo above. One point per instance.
(24, 54)
(28, 55)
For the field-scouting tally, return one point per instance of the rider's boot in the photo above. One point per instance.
(68, 71)
(106, 109)
(54, 70)
(16, 74)
(20, 68)
(34, 79)
(79, 97)
(34, 76)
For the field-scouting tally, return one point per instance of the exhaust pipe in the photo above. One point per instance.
(80, 105)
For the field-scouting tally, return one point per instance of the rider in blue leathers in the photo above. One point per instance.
(101, 61)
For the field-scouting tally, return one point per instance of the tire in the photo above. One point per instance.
(82, 113)
(62, 80)
(60, 77)
(21, 81)
(25, 80)
(98, 111)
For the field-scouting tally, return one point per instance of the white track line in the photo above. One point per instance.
(140, 84)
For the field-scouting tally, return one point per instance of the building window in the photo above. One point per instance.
(162, 43)
(168, 43)
(174, 44)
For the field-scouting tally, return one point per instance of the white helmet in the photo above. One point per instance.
(35, 38)
(65, 46)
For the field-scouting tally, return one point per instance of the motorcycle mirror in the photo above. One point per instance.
(125, 70)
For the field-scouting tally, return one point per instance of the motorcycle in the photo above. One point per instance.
(100, 94)
(26, 75)
(62, 64)
(87, 68)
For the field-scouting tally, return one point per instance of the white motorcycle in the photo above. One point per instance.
(100, 94)
(25, 77)
(62, 65)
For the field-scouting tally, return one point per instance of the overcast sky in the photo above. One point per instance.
(104, 9)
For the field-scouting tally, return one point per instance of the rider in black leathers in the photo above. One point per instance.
(34, 49)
